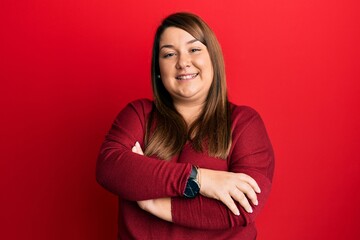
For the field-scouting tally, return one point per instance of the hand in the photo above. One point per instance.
(227, 187)
(160, 207)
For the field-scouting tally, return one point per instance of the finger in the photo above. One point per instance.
(138, 147)
(134, 149)
(250, 181)
(246, 189)
(242, 200)
(229, 202)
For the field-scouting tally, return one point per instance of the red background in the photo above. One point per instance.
(67, 68)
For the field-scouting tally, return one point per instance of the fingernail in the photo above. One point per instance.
(259, 190)
(237, 213)
(256, 202)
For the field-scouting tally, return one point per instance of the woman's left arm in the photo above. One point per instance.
(252, 154)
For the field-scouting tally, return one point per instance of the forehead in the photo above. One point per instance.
(174, 35)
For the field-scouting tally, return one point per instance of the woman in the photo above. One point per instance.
(204, 160)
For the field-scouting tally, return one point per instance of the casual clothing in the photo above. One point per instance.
(134, 177)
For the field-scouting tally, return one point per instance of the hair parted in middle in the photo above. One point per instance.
(167, 131)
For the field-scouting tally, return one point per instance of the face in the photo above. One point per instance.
(185, 66)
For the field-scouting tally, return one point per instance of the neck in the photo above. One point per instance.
(189, 111)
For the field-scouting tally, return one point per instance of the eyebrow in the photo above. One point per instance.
(172, 46)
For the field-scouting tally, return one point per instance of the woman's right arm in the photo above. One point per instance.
(130, 175)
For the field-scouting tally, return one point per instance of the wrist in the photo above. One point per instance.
(147, 205)
(161, 208)
(192, 188)
(199, 176)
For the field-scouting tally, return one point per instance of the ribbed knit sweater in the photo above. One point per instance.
(133, 177)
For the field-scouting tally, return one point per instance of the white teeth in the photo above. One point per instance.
(186, 77)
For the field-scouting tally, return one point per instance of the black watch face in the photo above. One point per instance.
(192, 189)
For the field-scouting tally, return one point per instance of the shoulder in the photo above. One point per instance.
(244, 116)
(143, 105)
(136, 110)
(242, 113)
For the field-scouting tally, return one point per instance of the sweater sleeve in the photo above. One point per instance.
(130, 175)
(251, 154)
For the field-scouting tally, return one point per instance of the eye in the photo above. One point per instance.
(168, 55)
(195, 50)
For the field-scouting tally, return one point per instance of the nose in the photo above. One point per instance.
(183, 61)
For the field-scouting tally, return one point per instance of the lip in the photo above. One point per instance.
(186, 76)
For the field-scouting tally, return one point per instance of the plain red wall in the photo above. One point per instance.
(68, 67)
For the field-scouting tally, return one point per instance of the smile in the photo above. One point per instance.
(187, 76)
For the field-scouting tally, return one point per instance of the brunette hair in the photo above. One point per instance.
(167, 131)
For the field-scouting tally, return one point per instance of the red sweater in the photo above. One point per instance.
(134, 177)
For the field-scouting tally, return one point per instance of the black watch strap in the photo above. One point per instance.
(192, 188)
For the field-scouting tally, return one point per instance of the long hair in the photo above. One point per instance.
(167, 131)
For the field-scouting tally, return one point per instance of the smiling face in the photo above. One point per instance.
(185, 66)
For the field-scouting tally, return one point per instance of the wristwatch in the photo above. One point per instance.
(192, 187)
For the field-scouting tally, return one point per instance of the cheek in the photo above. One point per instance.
(166, 68)
(168, 84)
(207, 68)
(165, 82)
(204, 63)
